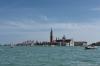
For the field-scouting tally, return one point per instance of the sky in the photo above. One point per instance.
(22, 20)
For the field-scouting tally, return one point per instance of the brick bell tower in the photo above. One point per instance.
(51, 36)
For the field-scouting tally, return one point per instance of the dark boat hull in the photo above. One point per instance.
(90, 47)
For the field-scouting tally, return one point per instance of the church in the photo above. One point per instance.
(61, 42)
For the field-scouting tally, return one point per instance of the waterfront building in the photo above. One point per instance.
(61, 42)
(26, 43)
(64, 41)
(80, 43)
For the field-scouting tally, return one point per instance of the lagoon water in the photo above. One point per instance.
(49, 56)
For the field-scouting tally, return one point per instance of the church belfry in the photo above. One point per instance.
(51, 36)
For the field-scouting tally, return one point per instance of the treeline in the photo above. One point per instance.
(96, 44)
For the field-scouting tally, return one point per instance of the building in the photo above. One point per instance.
(64, 41)
(26, 43)
(60, 42)
(80, 43)
(51, 36)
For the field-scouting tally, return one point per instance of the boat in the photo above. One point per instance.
(90, 47)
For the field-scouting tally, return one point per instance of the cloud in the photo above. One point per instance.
(31, 29)
(33, 25)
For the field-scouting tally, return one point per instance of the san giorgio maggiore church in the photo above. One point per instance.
(62, 42)
(59, 42)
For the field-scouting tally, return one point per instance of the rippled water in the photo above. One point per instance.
(49, 56)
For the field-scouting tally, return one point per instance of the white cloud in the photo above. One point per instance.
(32, 25)
(78, 31)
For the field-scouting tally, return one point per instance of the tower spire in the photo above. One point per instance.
(51, 36)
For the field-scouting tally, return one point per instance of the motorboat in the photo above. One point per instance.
(90, 47)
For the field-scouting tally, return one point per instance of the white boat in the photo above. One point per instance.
(90, 47)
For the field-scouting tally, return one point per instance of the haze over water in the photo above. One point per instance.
(49, 56)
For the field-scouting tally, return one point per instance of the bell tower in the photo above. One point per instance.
(51, 36)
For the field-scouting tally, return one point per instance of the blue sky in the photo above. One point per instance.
(22, 20)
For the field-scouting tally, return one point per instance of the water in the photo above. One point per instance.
(49, 56)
